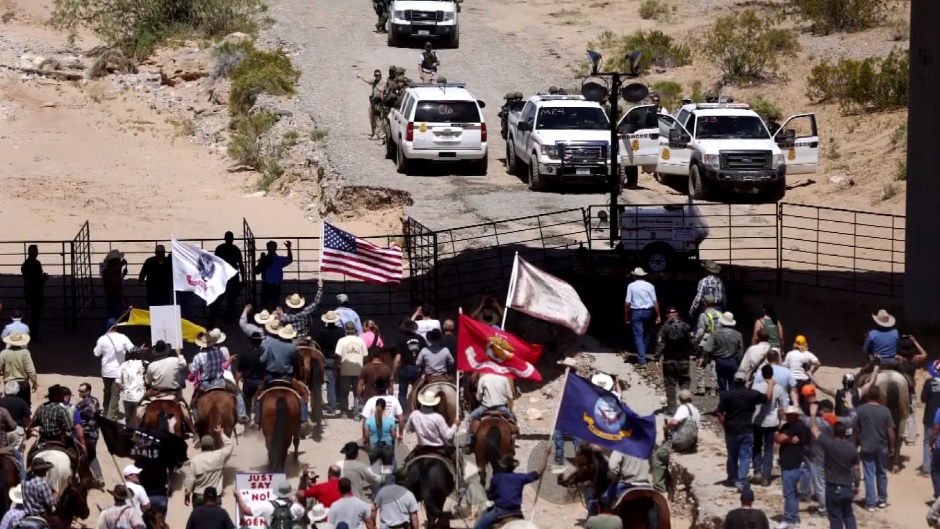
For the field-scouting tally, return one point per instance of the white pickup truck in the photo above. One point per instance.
(721, 147)
(425, 20)
(560, 138)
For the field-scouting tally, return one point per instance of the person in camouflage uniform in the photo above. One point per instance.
(381, 11)
(673, 349)
(375, 99)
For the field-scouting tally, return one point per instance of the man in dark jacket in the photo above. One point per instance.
(673, 348)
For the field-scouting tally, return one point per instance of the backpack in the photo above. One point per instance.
(282, 517)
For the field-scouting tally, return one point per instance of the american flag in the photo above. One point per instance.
(349, 255)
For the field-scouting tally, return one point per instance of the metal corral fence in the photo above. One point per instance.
(777, 244)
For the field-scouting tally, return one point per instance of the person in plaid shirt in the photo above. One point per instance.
(710, 285)
(208, 370)
(88, 406)
(300, 319)
(38, 497)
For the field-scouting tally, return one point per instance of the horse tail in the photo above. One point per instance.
(494, 439)
(277, 449)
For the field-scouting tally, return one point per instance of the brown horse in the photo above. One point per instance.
(165, 410)
(9, 477)
(312, 373)
(280, 423)
(493, 442)
(216, 407)
(444, 389)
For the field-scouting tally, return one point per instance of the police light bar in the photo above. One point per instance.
(561, 97)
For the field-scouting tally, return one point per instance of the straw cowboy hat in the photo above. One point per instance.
(711, 267)
(638, 272)
(884, 319)
(17, 339)
(727, 319)
(16, 495)
(318, 513)
(603, 381)
(262, 317)
(287, 332)
(273, 325)
(295, 301)
(213, 337)
(429, 398)
(330, 317)
(114, 254)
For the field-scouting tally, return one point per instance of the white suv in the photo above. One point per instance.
(426, 20)
(439, 122)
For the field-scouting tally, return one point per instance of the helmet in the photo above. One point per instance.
(848, 380)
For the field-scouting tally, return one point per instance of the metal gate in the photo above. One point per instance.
(81, 280)
(421, 245)
(249, 283)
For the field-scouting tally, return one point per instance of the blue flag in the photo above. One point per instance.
(597, 416)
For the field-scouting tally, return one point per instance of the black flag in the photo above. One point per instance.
(140, 443)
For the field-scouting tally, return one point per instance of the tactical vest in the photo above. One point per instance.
(428, 60)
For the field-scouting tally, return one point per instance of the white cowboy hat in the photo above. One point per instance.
(273, 325)
(213, 337)
(429, 398)
(17, 339)
(330, 317)
(638, 272)
(262, 317)
(295, 301)
(318, 513)
(603, 381)
(793, 410)
(884, 319)
(16, 495)
(727, 319)
(287, 332)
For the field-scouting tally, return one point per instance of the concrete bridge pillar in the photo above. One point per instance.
(922, 248)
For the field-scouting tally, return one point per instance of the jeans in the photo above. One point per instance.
(330, 386)
(591, 499)
(935, 476)
(740, 448)
(91, 449)
(488, 518)
(725, 368)
(384, 455)
(806, 481)
(763, 455)
(480, 410)
(839, 506)
(791, 501)
(559, 439)
(614, 490)
(130, 409)
(304, 405)
(819, 484)
(407, 375)
(18, 454)
(249, 388)
(111, 397)
(347, 385)
(875, 467)
(640, 320)
(675, 377)
(926, 465)
(158, 503)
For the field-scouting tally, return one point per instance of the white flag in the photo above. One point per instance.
(544, 296)
(196, 270)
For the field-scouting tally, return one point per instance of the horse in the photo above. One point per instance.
(590, 467)
(280, 423)
(157, 414)
(895, 395)
(153, 519)
(493, 442)
(9, 478)
(447, 407)
(216, 407)
(313, 368)
(432, 478)
(72, 504)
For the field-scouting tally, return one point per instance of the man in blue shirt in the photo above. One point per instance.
(881, 343)
(506, 493)
(639, 307)
(347, 314)
(271, 267)
(783, 376)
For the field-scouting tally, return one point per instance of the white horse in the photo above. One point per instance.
(58, 476)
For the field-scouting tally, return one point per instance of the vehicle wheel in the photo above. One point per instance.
(512, 161)
(483, 165)
(454, 41)
(389, 145)
(536, 182)
(631, 177)
(697, 189)
(401, 162)
(392, 40)
(779, 191)
(658, 258)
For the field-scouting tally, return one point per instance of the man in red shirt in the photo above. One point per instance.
(325, 493)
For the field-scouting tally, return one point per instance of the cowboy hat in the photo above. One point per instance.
(17, 339)
(330, 317)
(318, 513)
(295, 301)
(272, 325)
(429, 398)
(41, 464)
(884, 319)
(711, 267)
(213, 337)
(114, 254)
(638, 272)
(120, 492)
(284, 490)
(287, 332)
(793, 410)
(16, 495)
(727, 319)
(262, 317)
(603, 381)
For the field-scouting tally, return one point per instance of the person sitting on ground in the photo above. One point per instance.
(282, 362)
(207, 367)
(505, 491)
(746, 516)
(162, 377)
(431, 428)
(435, 361)
(683, 426)
(494, 393)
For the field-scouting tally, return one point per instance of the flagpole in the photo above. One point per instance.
(512, 288)
(322, 235)
(551, 436)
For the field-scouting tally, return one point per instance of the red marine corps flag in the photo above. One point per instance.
(481, 348)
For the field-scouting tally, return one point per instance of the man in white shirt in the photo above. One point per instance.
(111, 348)
(766, 422)
(140, 500)
(284, 497)
(801, 362)
(162, 376)
(351, 352)
(755, 355)
(424, 317)
(131, 382)
(638, 309)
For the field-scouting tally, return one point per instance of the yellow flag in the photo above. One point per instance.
(141, 317)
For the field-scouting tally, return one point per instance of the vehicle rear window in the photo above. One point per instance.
(448, 112)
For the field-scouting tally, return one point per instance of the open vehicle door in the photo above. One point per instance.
(802, 154)
(640, 129)
(675, 151)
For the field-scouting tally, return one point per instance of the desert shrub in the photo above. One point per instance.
(655, 10)
(228, 56)
(670, 93)
(746, 46)
(697, 95)
(657, 48)
(831, 16)
(872, 84)
(900, 29)
(137, 27)
(261, 71)
(245, 146)
(766, 109)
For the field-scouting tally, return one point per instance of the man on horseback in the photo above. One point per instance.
(625, 472)
(162, 378)
(434, 436)
(207, 366)
(495, 394)
(55, 423)
(505, 492)
(281, 361)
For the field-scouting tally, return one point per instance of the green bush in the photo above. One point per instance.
(657, 49)
(872, 84)
(655, 10)
(670, 93)
(746, 46)
(228, 56)
(697, 95)
(245, 142)
(137, 27)
(261, 71)
(830, 16)
(766, 109)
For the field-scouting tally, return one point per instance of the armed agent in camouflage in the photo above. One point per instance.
(381, 11)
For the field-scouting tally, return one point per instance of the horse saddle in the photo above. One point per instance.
(279, 383)
(31, 522)
(497, 415)
(445, 453)
(506, 518)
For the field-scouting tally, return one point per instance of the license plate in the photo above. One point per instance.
(423, 32)
(582, 171)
